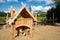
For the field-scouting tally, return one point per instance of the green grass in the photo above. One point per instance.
(2, 19)
(41, 18)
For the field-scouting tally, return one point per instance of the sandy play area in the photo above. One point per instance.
(45, 32)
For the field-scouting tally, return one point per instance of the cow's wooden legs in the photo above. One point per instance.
(17, 32)
(31, 31)
(28, 32)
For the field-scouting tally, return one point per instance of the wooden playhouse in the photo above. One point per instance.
(25, 22)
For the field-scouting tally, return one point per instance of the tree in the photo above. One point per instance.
(57, 2)
(3, 14)
(51, 16)
(55, 11)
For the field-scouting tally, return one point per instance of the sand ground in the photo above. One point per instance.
(45, 32)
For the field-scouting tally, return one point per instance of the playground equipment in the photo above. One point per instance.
(24, 23)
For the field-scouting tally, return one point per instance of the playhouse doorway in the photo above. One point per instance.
(23, 30)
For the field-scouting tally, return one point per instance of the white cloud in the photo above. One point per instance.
(46, 8)
(7, 11)
(40, 8)
(12, 0)
(33, 0)
(36, 8)
(49, 2)
(1, 0)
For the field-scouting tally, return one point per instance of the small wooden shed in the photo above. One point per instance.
(25, 22)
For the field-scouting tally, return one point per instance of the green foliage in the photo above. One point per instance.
(3, 14)
(19, 16)
(41, 16)
(2, 19)
(56, 12)
(57, 2)
(50, 13)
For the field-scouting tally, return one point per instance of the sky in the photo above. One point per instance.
(36, 5)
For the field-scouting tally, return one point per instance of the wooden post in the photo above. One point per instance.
(31, 27)
(12, 25)
(12, 12)
(7, 17)
(24, 5)
(50, 20)
(35, 15)
(53, 18)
